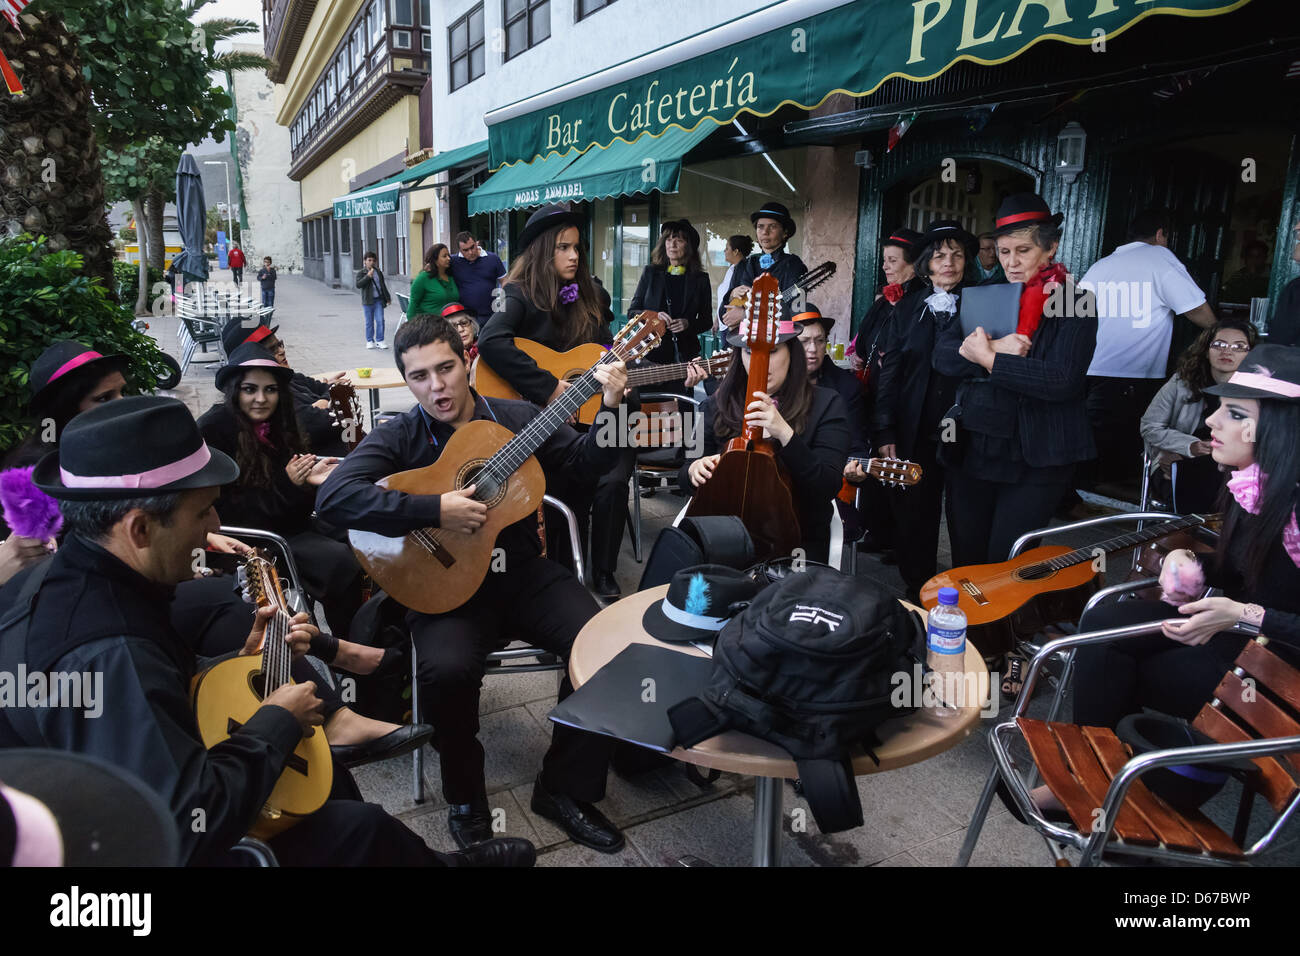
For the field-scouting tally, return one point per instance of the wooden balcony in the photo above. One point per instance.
(283, 24)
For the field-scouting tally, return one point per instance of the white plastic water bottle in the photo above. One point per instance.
(945, 652)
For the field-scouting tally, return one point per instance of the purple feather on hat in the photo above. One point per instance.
(29, 511)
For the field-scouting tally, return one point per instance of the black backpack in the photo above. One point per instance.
(810, 666)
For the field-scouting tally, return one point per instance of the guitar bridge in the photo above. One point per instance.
(971, 588)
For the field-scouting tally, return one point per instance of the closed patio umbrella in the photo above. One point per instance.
(191, 221)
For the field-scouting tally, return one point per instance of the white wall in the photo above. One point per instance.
(271, 199)
(621, 31)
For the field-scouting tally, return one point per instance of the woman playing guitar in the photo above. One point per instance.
(552, 298)
(809, 425)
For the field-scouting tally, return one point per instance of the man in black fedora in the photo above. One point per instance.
(136, 485)
(773, 228)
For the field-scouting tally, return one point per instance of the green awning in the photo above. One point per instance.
(652, 163)
(381, 198)
(799, 52)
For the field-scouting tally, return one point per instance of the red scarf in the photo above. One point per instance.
(1032, 297)
(893, 292)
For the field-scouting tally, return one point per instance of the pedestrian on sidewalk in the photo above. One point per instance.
(374, 297)
(266, 276)
(236, 260)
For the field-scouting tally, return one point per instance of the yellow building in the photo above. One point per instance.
(349, 78)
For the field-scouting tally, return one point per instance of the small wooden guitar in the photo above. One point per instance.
(894, 472)
(345, 410)
(1013, 599)
(802, 285)
(571, 365)
(227, 694)
(434, 570)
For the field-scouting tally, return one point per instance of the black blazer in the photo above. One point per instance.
(652, 293)
(846, 385)
(905, 373)
(785, 266)
(1038, 399)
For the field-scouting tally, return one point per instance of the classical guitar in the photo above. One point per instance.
(801, 286)
(749, 481)
(226, 695)
(571, 365)
(434, 570)
(1013, 599)
(894, 472)
(345, 410)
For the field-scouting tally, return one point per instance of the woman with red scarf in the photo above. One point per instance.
(1022, 422)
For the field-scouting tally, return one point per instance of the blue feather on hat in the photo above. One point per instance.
(697, 595)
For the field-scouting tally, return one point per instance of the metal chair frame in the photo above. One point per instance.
(497, 660)
(262, 854)
(665, 480)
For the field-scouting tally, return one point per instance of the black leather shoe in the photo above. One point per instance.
(506, 851)
(397, 743)
(470, 823)
(605, 586)
(583, 822)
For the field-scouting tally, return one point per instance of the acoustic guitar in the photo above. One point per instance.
(345, 410)
(801, 286)
(227, 694)
(435, 570)
(748, 480)
(1013, 599)
(571, 365)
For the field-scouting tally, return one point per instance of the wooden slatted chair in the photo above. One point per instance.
(1255, 714)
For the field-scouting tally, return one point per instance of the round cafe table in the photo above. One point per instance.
(904, 740)
(378, 378)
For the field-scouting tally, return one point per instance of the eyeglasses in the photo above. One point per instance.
(461, 324)
(1230, 347)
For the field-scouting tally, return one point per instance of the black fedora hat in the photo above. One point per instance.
(699, 602)
(548, 217)
(1183, 786)
(65, 364)
(903, 237)
(1267, 371)
(251, 355)
(942, 229)
(812, 314)
(240, 330)
(777, 211)
(683, 226)
(1024, 209)
(71, 809)
(144, 445)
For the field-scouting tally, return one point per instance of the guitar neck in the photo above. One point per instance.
(1123, 542)
(531, 437)
(663, 373)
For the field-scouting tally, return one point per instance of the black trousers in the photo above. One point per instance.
(1115, 409)
(537, 601)
(609, 513)
(916, 513)
(331, 575)
(1114, 680)
(986, 517)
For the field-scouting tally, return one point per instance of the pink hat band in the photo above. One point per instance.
(1266, 383)
(153, 478)
(266, 363)
(88, 356)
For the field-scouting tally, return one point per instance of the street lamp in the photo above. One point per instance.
(230, 220)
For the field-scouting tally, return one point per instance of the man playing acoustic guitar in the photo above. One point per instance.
(527, 596)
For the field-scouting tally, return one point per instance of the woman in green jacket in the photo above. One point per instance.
(434, 287)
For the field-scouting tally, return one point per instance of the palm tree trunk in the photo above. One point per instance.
(141, 236)
(50, 178)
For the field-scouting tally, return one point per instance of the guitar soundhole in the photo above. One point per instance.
(1034, 572)
(489, 491)
(574, 374)
(257, 684)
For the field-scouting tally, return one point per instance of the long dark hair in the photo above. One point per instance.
(1277, 434)
(659, 256)
(258, 463)
(533, 271)
(1194, 364)
(431, 259)
(794, 397)
(61, 406)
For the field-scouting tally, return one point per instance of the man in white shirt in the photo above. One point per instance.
(1140, 287)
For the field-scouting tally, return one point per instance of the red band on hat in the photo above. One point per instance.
(153, 478)
(903, 239)
(1021, 217)
(72, 363)
(1265, 383)
(259, 333)
(452, 309)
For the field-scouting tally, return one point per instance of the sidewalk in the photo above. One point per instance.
(915, 816)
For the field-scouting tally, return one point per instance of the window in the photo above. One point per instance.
(426, 42)
(375, 24)
(330, 88)
(425, 17)
(402, 39)
(587, 7)
(345, 237)
(528, 23)
(327, 228)
(358, 49)
(403, 235)
(402, 13)
(465, 49)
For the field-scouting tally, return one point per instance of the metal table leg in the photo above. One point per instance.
(767, 821)
(374, 407)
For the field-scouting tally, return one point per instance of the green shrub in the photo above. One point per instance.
(126, 275)
(46, 297)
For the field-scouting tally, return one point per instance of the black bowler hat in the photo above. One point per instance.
(811, 314)
(1267, 371)
(71, 809)
(700, 600)
(548, 217)
(943, 229)
(777, 211)
(63, 364)
(144, 445)
(1184, 786)
(251, 355)
(905, 238)
(236, 332)
(1023, 209)
(683, 226)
